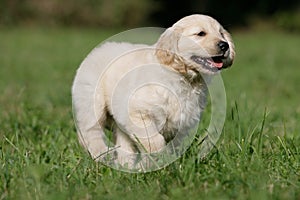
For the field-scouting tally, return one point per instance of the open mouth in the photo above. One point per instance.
(214, 63)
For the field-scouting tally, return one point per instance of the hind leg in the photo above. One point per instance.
(93, 141)
(90, 114)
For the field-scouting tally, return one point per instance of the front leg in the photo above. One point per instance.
(135, 150)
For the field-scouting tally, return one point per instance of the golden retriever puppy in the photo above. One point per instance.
(146, 94)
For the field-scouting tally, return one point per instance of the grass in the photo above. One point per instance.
(257, 156)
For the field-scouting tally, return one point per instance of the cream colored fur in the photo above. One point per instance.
(171, 102)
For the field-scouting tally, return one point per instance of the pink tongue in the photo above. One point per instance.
(218, 65)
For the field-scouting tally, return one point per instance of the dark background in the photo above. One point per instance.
(231, 12)
(134, 13)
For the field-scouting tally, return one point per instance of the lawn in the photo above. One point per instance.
(257, 156)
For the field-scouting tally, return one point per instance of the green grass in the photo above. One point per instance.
(257, 156)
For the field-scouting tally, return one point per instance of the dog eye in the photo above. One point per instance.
(222, 34)
(201, 33)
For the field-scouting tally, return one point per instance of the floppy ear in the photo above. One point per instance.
(166, 46)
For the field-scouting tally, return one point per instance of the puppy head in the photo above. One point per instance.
(196, 43)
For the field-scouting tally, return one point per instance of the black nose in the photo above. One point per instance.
(224, 46)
